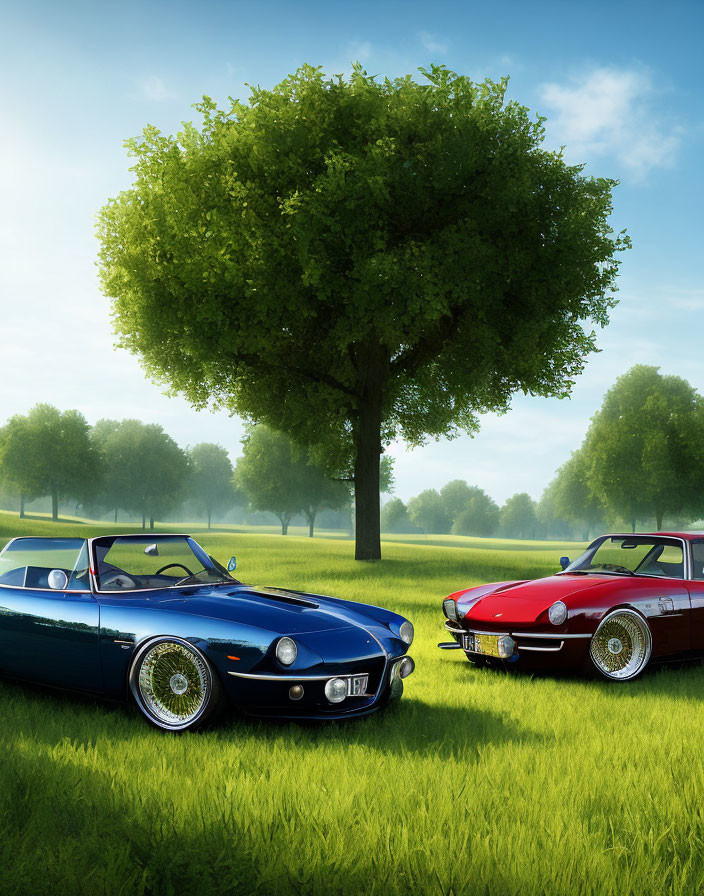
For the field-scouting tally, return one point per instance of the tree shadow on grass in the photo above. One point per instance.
(408, 726)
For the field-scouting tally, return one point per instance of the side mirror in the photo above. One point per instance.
(232, 564)
(58, 580)
(564, 562)
(152, 550)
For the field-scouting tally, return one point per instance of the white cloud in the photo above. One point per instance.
(611, 112)
(153, 88)
(432, 43)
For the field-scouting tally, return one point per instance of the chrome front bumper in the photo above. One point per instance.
(555, 642)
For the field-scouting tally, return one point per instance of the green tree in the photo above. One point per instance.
(147, 472)
(264, 474)
(519, 517)
(456, 496)
(479, 517)
(210, 479)
(427, 511)
(573, 498)
(356, 260)
(551, 524)
(394, 518)
(317, 490)
(49, 452)
(117, 469)
(643, 448)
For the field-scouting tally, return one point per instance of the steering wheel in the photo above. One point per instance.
(170, 566)
(120, 579)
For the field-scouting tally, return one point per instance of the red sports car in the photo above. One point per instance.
(627, 601)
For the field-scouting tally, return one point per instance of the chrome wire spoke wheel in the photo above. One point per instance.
(172, 683)
(621, 646)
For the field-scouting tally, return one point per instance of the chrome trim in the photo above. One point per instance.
(451, 628)
(293, 677)
(542, 649)
(548, 636)
(49, 590)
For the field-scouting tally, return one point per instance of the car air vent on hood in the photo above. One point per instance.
(287, 597)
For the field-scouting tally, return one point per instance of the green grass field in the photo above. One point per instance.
(478, 782)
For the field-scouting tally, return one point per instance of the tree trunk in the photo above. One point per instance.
(22, 506)
(144, 521)
(366, 480)
(208, 519)
(633, 526)
(151, 522)
(54, 503)
(116, 514)
(658, 520)
(310, 516)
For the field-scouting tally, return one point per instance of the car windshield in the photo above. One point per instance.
(28, 562)
(632, 555)
(134, 563)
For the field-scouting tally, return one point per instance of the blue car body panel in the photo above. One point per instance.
(87, 641)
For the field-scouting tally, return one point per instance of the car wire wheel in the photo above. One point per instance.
(621, 646)
(173, 684)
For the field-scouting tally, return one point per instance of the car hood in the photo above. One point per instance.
(523, 602)
(272, 609)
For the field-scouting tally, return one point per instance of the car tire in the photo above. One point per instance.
(621, 646)
(174, 685)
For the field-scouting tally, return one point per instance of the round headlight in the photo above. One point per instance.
(406, 632)
(286, 651)
(557, 613)
(336, 690)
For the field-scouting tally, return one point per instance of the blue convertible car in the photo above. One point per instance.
(156, 617)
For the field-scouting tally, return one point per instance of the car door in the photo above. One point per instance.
(50, 637)
(696, 593)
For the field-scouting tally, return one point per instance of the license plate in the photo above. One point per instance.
(486, 644)
(357, 685)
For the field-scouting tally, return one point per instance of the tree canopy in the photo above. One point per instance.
(574, 500)
(278, 477)
(643, 448)
(519, 518)
(49, 452)
(480, 515)
(210, 480)
(428, 512)
(146, 471)
(355, 260)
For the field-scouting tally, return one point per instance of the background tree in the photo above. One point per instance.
(427, 511)
(49, 452)
(479, 517)
(359, 260)
(116, 481)
(643, 449)
(456, 496)
(550, 523)
(266, 476)
(395, 518)
(317, 490)
(147, 471)
(573, 498)
(210, 481)
(519, 518)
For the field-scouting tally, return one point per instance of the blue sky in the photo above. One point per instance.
(620, 84)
